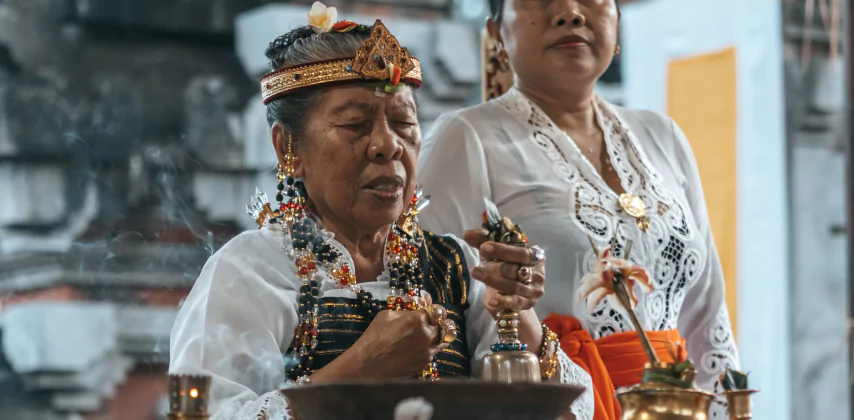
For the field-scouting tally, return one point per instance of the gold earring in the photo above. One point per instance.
(289, 157)
(502, 55)
(285, 175)
(617, 50)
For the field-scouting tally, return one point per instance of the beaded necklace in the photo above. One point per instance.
(314, 253)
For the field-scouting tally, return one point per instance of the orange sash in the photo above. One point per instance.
(615, 361)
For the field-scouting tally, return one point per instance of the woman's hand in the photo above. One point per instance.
(502, 274)
(505, 289)
(397, 344)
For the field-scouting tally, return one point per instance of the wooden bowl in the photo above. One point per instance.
(451, 400)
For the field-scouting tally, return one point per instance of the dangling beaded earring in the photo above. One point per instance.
(295, 192)
(617, 50)
(281, 188)
(502, 55)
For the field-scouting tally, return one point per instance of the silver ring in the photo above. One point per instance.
(524, 275)
(538, 255)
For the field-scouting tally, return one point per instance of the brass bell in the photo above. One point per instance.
(510, 360)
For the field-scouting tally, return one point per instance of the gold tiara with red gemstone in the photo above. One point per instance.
(379, 58)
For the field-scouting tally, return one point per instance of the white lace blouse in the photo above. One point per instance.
(240, 317)
(509, 151)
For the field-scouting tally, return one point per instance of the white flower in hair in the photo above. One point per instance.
(321, 18)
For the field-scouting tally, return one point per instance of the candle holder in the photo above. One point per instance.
(737, 394)
(738, 404)
(188, 397)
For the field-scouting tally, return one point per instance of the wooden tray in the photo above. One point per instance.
(451, 400)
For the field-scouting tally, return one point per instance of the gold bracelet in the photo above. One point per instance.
(548, 353)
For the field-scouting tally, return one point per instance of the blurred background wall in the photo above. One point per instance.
(132, 135)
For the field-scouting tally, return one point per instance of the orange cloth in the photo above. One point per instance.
(615, 361)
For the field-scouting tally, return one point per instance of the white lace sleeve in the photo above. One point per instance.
(271, 406)
(232, 325)
(704, 318)
(570, 373)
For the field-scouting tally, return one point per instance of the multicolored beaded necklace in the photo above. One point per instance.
(313, 253)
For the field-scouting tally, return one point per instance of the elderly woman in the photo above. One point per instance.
(570, 167)
(341, 284)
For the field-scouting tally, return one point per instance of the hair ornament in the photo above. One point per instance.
(379, 58)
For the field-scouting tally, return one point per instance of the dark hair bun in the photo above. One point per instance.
(277, 49)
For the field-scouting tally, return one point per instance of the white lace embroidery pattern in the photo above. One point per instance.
(271, 406)
(570, 373)
(671, 249)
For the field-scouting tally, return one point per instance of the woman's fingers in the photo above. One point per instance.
(476, 237)
(494, 251)
(497, 303)
(504, 278)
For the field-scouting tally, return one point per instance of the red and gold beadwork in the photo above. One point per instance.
(313, 254)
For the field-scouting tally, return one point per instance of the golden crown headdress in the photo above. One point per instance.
(379, 58)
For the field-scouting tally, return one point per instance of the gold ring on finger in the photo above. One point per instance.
(448, 332)
(437, 314)
(524, 275)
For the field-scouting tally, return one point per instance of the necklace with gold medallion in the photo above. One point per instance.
(632, 204)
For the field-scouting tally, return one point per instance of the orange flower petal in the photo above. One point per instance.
(640, 276)
(608, 279)
(395, 76)
(344, 26)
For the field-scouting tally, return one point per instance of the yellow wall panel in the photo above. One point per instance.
(701, 98)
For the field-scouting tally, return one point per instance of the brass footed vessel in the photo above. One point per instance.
(656, 398)
(663, 401)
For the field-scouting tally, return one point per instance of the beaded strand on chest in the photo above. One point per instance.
(313, 254)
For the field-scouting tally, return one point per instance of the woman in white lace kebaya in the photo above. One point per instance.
(341, 284)
(556, 158)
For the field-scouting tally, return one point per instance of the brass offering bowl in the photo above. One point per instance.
(451, 400)
(658, 399)
(661, 401)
